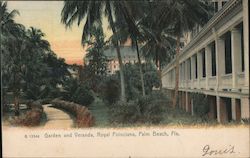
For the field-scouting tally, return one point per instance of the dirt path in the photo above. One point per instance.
(56, 119)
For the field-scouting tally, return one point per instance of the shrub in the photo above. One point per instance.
(148, 109)
(133, 79)
(200, 105)
(75, 91)
(125, 112)
(6, 108)
(32, 117)
(83, 116)
(82, 96)
(110, 90)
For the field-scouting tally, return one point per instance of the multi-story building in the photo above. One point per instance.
(129, 55)
(216, 63)
(217, 5)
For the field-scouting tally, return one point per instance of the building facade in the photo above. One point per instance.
(187, 36)
(216, 63)
(129, 55)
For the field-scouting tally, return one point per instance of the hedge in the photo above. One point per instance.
(83, 116)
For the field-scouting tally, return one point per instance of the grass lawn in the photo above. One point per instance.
(100, 112)
(172, 118)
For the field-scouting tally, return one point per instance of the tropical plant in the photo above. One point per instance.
(92, 11)
(158, 44)
(110, 89)
(132, 77)
(77, 92)
(97, 61)
(95, 68)
(128, 26)
(181, 16)
(9, 31)
(12, 51)
(29, 66)
(8, 27)
(147, 109)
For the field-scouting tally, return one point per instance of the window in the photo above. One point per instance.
(228, 53)
(196, 64)
(223, 3)
(213, 58)
(216, 6)
(203, 62)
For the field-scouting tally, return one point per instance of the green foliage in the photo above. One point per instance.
(82, 96)
(110, 89)
(96, 62)
(77, 92)
(148, 109)
(95, 59)
(132, 77)
(29, 65)
(200, 105)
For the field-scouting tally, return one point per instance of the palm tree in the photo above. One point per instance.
(157, 42)
(8, 27)
(10, 33)
(181, 16)
(13, 62)
(92, 12)
(133, 11)
(159, 47)
(36, 38)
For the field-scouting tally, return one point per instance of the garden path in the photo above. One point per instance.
(57, 119)
(100, 111)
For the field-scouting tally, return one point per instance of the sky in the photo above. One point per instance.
(66, 43)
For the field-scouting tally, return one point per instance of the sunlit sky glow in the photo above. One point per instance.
(66, 43)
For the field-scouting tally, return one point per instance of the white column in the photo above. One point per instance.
(192, 71)
(171, 77)
(208, 64)
(180, 81)
(199, 66)
(233, 100)
(220, 60)
(192, 107)
(186, 74)
(180, 75)
(218, 108)
(174, 77)
(246, 44)
(186, 102)
(245, 107)
(236, 53)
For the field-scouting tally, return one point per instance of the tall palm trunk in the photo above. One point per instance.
(16, 104)
(159, 72)
(140, 67)
(177, 72)
(158, 65)
(123, 94)
(118, 51)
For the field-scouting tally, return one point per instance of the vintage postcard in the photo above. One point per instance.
(125, 79)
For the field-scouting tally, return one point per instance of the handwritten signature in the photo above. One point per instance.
(207, 151)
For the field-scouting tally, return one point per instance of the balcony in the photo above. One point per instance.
(226, 82)
(240, 79)
(202, 83)
(212, 82)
